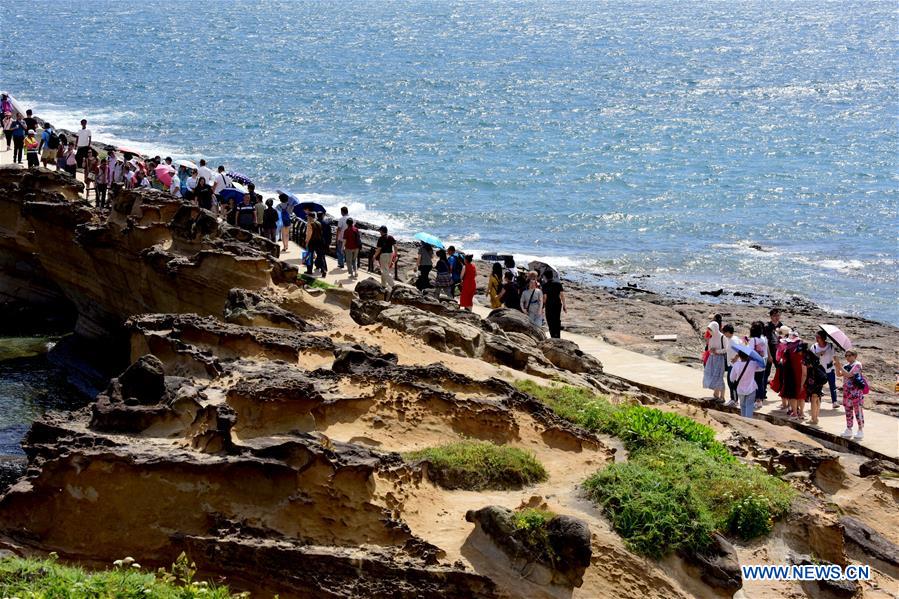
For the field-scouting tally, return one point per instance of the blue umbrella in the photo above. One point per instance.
(292, 200)
(229, 193)
(753, 355)
(429, 239)
(239, 177)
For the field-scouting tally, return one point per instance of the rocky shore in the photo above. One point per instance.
(264, 428)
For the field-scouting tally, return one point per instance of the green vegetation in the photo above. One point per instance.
(47, 579)
(530, 526)
(315, 283)
(679, 485)
(476, 465)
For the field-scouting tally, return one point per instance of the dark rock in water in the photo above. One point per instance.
(758, 247)
(718, 565)
(144, 380)
(494, 257)
(871, 542)
(369, 289)
(715, 293)
(568, 538)
(568, 356)
(508, 320)
(11, 470)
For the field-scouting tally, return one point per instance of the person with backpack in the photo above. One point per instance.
(49, 145)
(284, 221)
(815, 377)
(855, 387)
(457, 265)
(31, 149)
(352, 243)
(742, 378)
(270, 220)
(827, 356)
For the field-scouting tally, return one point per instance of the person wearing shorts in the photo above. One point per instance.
(82, 142)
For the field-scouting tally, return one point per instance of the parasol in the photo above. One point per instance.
(429, 239)
(839, 338)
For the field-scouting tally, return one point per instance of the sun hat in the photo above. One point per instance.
(31, 132)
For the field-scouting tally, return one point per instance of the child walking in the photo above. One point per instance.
(854, 386)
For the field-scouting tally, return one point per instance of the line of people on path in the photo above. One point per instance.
(801, 370)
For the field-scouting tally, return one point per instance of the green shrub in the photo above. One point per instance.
(531, 518)
(530, 526)
(476, 465)
(47, 579)
(673, 495)
(679, 485)
(655, 515)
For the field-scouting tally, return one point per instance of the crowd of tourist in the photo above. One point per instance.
(801, 369)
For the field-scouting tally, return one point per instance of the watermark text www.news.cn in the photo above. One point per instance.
(806, 572)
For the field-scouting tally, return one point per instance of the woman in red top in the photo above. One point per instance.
(469, 285)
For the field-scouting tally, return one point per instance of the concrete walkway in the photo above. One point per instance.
(685, 384)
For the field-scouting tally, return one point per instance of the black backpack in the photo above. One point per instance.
(53, 140)
(270, 218)
(458, 265)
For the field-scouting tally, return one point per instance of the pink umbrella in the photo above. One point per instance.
(164, 173)
(838, 337)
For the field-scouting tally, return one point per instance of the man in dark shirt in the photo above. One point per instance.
(771, 335)
(30, 121)
(510, 296)
(553, 304)
(384, 251)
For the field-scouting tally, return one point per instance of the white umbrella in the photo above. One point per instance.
(239, 187)
(186, 164)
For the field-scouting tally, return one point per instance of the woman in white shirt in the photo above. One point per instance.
(759, 343)
(825, 352)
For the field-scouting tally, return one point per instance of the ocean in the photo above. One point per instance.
(620, 138)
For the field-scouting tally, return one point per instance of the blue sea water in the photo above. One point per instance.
(623, 138)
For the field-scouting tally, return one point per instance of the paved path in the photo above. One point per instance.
(683, 382)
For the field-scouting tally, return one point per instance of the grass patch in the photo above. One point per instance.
(530, 526)
(47, 579)
(679, 484)
(477, 465)
(315, 283)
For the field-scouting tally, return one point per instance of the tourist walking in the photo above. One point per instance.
(102, 182)
(815, 377)
(457, 264)
(315, 246)
(31, 149)
(49, 145)
(759, 343)
(444, 280)
(246, 214)
(770, 331)
(495, 285)
(742, 376)
(352, 243)
(469, 283)
(729, 356)
(531, 302)
(203, 194)
(8, 122)
(827, 356)
(789, 378)
(553, 303)
(19, 131)
(270, 221)
(284, 221)
(510, 295)
(91, 164)
(71, 160)
(384, 251)
(82, 142)
(339, 245)
(424, 262)
(854, 389)
(713, 371)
